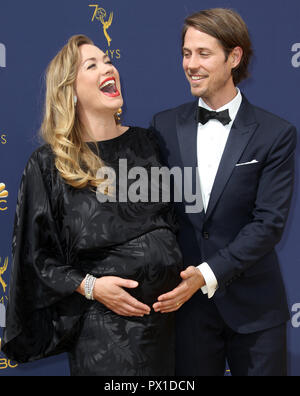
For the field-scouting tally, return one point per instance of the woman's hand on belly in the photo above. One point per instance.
(109, 291)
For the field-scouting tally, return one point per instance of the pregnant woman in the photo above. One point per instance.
(86, 273)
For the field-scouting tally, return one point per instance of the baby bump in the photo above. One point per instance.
(153, 259)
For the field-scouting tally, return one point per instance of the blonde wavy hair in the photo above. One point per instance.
(61, 127)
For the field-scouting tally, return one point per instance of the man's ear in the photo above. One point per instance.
(236, 57)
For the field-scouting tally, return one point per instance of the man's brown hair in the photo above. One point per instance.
(229, 28)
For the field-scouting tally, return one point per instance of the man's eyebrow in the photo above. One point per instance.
(198, 49)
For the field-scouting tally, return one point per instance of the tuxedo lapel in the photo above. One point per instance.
(187, 128)
(186, 124)
(241, 132)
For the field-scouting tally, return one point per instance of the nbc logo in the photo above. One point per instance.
(3, 194)
(2, 55)
(296, 57)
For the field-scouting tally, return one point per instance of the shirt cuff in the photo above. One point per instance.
(210, 280)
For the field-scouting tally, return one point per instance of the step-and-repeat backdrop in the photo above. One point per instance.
(143, 40)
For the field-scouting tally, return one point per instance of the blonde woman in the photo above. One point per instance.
(86, 273)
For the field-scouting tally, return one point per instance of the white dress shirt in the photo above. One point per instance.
(211, 141)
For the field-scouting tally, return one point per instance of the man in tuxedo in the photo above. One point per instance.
(231, 304)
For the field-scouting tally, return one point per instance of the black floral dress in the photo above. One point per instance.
(60, 235)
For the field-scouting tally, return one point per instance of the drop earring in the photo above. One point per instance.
(118, 116)
(75, 100)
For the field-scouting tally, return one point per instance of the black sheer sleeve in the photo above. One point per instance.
(43, 307)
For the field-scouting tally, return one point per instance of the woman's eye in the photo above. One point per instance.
(91, 66)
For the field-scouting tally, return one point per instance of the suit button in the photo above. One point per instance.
(205, 235)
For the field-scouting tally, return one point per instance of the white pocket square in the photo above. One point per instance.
(248, 163)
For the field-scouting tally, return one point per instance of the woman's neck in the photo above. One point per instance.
(99, 127)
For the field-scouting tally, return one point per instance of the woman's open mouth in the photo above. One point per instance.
(108, 87)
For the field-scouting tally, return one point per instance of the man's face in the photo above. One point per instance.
(205, 66)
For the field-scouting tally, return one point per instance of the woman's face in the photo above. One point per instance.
(98, 82)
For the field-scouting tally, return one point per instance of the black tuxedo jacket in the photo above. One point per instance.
(246, 215)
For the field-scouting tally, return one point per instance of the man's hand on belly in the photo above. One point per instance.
(192, 281)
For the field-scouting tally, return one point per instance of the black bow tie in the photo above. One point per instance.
(205, 115)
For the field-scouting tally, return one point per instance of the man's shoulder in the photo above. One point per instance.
(273, 128)
(268, 118)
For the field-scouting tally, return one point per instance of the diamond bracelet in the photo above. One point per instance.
(89, 284)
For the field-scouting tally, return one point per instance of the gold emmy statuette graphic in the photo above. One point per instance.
(3, 194)
(100, 14)
(2, 271)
